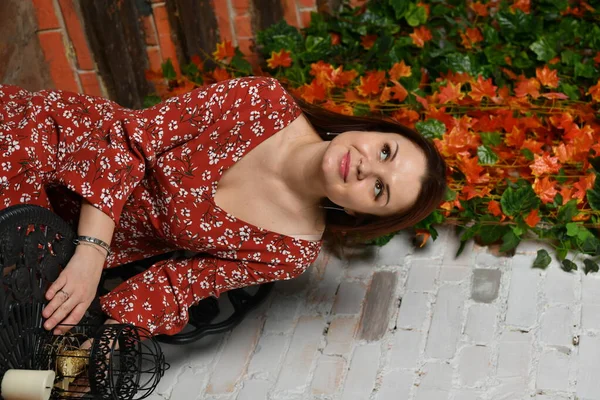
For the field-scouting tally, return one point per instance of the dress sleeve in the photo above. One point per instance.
(105, 149)
(158, 298)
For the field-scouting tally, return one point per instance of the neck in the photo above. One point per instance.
(301, 169)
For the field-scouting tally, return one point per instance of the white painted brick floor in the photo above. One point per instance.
(511, 337)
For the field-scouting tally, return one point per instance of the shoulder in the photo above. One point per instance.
(262, 88)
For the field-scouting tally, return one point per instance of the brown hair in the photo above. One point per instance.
(366, 227)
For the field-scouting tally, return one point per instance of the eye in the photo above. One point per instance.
(385, 152)
(378, 189)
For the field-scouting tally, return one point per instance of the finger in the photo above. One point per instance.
(86, 345)
(61, 296)
(59, 313)
(58, 284)
(72, 319)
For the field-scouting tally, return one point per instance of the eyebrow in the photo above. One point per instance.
(386, 185)
(388, 194)
(396, 152)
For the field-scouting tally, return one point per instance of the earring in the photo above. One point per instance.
(336, 209)
(333, 208)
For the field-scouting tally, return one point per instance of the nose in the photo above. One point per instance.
(365, 168)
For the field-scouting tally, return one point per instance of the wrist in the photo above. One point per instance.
(91, 253)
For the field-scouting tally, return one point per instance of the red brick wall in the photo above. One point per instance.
(70, 61)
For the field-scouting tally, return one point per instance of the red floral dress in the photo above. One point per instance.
(155, 173)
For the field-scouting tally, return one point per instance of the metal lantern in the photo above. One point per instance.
(115, 361)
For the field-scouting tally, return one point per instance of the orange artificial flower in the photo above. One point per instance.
(368, 41)
(547, 77)
(515, 138)
(314, 91)
(480, 9)
(494, 208)
(472, 170)
(335, 38)
(470, 37)
(526, 87)
(341, 78)
(224, 52)
(482, 88)
(371, 83)
(523, 5)
(581, 187)
(532, 218)
(594, 91)
(406, 116)
(545, 189)
(344, 109)
(221, 74)
(400, 70)
(280, 59)
(545, 164)
(450, 93)
(420, 36)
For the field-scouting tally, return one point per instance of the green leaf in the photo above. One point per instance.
(168, 70)
(449, 195)
(570, 90)
(431, 129)
(570, 58)
(239, 63)
(519, 202)
(586, 70)
(561, 253)
(593, 195)
(544, 48)
(491, 36)
(568, 266)
(491, 138)
(486, 156)
(542, 260)
(509, 241)
(416, 15)
(400, 7)
(589, 266)
(279, 36)
(572, 229)
(528, 154)
(591, 245)
(492, 233)
(567, 212)
(458, 62)
(151, 100)
(382, 240)
(295, 74)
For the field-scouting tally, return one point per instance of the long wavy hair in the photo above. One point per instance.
(365, 227)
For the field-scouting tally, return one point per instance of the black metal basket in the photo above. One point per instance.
(109, 362)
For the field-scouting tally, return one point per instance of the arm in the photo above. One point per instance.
(73, 291)
(158, 298)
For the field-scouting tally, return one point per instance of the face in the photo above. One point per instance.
(373, 172)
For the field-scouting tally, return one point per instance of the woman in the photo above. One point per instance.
(234, 171)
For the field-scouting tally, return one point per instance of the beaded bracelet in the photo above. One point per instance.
(92, 240)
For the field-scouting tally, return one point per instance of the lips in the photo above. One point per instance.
(345, 166)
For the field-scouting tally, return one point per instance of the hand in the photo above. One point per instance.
(73, 291)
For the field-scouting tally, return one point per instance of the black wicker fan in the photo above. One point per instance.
(35, 244)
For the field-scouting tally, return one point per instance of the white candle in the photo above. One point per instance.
(25, 384)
